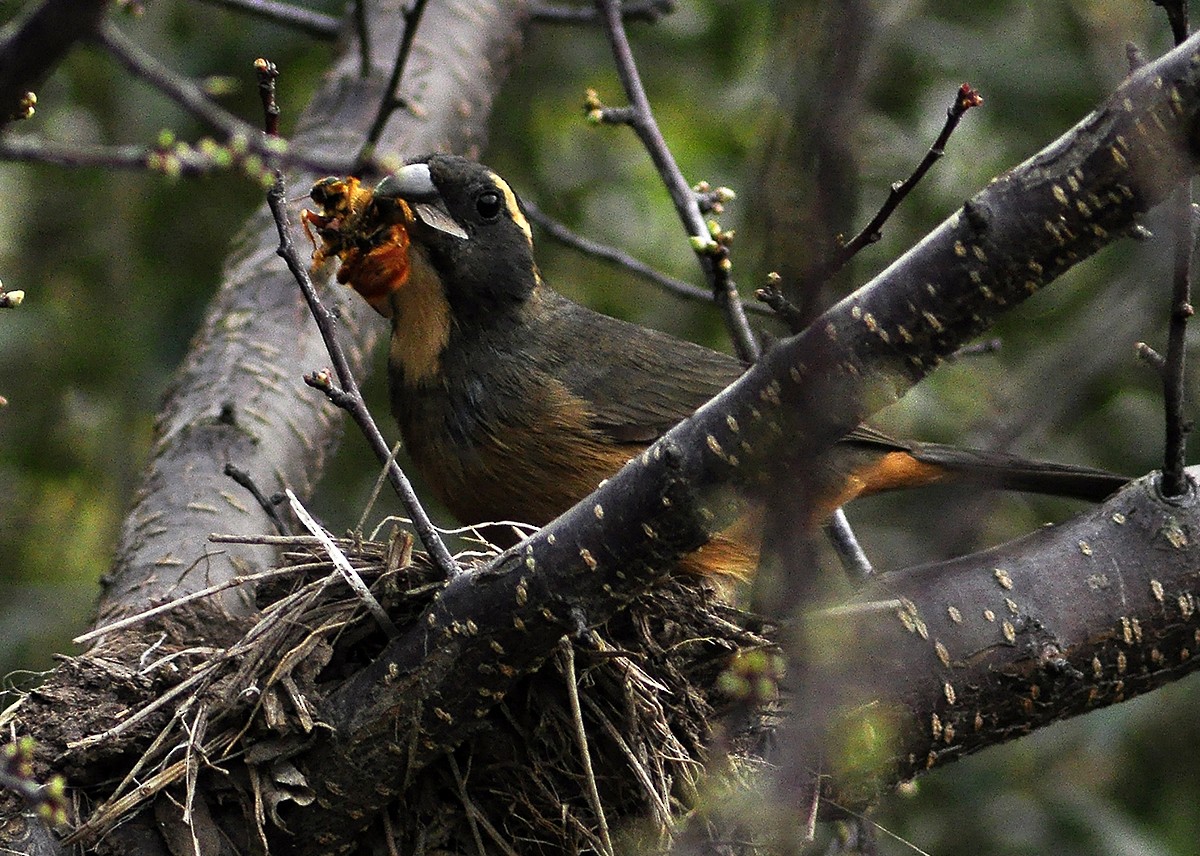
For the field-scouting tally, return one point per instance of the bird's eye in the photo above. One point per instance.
(488, 204)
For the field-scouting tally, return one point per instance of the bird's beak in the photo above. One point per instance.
(413, 185)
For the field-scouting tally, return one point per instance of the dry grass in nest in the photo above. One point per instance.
(604, 748)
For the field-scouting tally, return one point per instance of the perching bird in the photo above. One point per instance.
(515, 402)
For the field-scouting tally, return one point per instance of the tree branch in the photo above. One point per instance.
(958, 656)
(315, 24)
(486, 629)
(713, 256)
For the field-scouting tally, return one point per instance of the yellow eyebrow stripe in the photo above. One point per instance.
(514, 209)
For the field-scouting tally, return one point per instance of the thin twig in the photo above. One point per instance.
(344, 567)
(315, 24)
(348, 396)
(192, 98)
(391, 100)
(270, 508)
(773, 297)
(146, 615)
(607, 253)
(267, 74)
(379, 480)
(364, 38)
(475, 817)
(964, 100)
(180, 689)
(1174, 480)
(567, 649)
(654, 796)
(713, 255)
(1151, 357)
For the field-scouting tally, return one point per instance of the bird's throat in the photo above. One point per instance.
(420, 323)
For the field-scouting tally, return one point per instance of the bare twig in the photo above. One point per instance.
(1183, 216)
(267, 74)
(774, 298)
(146, 615)
(379, 480)
(364, 38)
(964, 100)
(348, 396)
(845, 544)
(271, 509)
(713, 254)
(392, 101)
(1151, 357)
(605, 252)
(307, 21)
(344, 567)
(567, 650)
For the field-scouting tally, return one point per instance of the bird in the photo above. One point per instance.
(515, 402)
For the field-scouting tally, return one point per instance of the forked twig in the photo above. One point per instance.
(964, 100)
(712, 254)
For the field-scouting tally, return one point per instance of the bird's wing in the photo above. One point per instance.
(637, 383)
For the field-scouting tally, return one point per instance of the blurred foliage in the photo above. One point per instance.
(117, 268)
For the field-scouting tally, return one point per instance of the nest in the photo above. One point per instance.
(604, 748)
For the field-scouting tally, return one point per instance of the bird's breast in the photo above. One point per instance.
(502, 447)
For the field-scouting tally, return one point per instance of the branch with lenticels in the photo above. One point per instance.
(1081, 193)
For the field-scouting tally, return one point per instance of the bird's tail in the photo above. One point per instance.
(1011, 472)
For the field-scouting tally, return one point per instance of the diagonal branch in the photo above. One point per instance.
(437, 682)
(713, 255)
(315, 24)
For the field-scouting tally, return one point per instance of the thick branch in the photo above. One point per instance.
(1081, 193)
(947, 659)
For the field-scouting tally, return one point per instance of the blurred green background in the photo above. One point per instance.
(117, 268)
